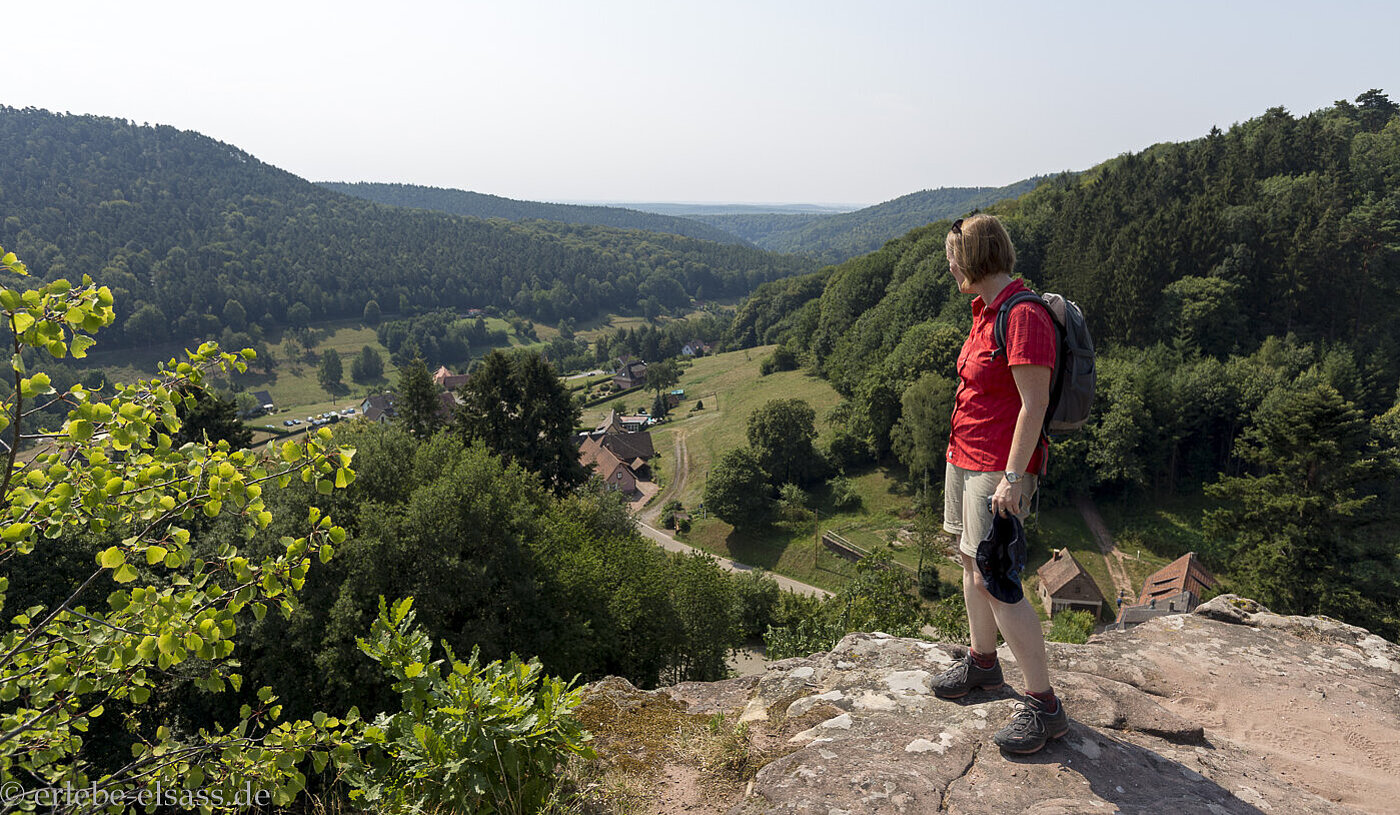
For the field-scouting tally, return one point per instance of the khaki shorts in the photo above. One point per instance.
(966, 511)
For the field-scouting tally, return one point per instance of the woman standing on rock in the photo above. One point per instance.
(995, 452)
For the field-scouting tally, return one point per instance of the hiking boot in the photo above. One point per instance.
(1030, 727)
(964, 676)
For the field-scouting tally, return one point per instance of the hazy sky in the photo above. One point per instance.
(810, 101)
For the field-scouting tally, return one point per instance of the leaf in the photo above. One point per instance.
(80, 346)
(111, 558)
(16, 532)
(124, 573)
(155, 554)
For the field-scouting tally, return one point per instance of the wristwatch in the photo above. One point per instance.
(1012, 476)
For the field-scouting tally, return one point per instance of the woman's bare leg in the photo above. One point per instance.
(1018, 623)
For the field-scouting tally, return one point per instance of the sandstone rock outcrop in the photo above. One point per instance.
(1231, 709)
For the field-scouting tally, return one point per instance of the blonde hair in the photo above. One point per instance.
(980, 246)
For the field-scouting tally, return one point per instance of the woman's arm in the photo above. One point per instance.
(1033, 383)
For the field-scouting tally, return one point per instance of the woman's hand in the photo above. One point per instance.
(1007, 498)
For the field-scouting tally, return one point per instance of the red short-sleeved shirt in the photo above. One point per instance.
(987, 402)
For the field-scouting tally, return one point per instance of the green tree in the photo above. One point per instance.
(147, 325)
(1071, 626)
(330, 371)
(737, 490)
(298, 315)
(208, 418)
(1305, 531)
(920, 437)
(418, 407)
(148, 605)
(662, 377)
(781, 433)
(517, 406)
(367, 365)
(372, 314)
(704, 599)
(234, 315)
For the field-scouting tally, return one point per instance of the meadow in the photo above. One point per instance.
(731, 388)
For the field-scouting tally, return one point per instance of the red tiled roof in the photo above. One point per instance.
(606, 463)
(1181, 575)
(449, 380)
(588, 452)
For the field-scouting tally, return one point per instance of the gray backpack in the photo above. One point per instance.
(1073, 381)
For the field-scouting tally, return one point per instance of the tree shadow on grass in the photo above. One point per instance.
(757, 545)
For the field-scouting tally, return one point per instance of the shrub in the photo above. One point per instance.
(949, 619)
(843, 494)
(683, 525)
(848, 451)
(469, 738)
(1071, 626)
(757, 596)
(803, 638)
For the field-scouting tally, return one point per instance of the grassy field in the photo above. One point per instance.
(293, 382)
(730, 388)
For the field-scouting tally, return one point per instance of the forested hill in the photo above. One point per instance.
(193, 234)
(1242, 291)
(480, 205)
(834, 238)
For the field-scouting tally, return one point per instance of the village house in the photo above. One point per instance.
(264, 400)
(1065, 586)
(378, 407)
(695, 348)
(447, 380)
(618, 455)
(630, 374)
(1176, 588)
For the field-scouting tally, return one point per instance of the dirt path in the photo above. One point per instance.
(1113, 557)
(675, 485)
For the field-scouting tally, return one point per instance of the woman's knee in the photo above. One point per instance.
(973, 575)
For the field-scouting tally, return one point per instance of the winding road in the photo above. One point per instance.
(670, 544)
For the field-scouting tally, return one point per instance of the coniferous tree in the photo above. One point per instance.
(1303, 526)
(515, 404)
(418, 406)
(212, 418)
(330, 371)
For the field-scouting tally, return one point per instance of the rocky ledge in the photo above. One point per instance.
(1231, 709)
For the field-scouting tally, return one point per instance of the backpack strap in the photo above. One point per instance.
(1004, 316)
(1057, 373)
